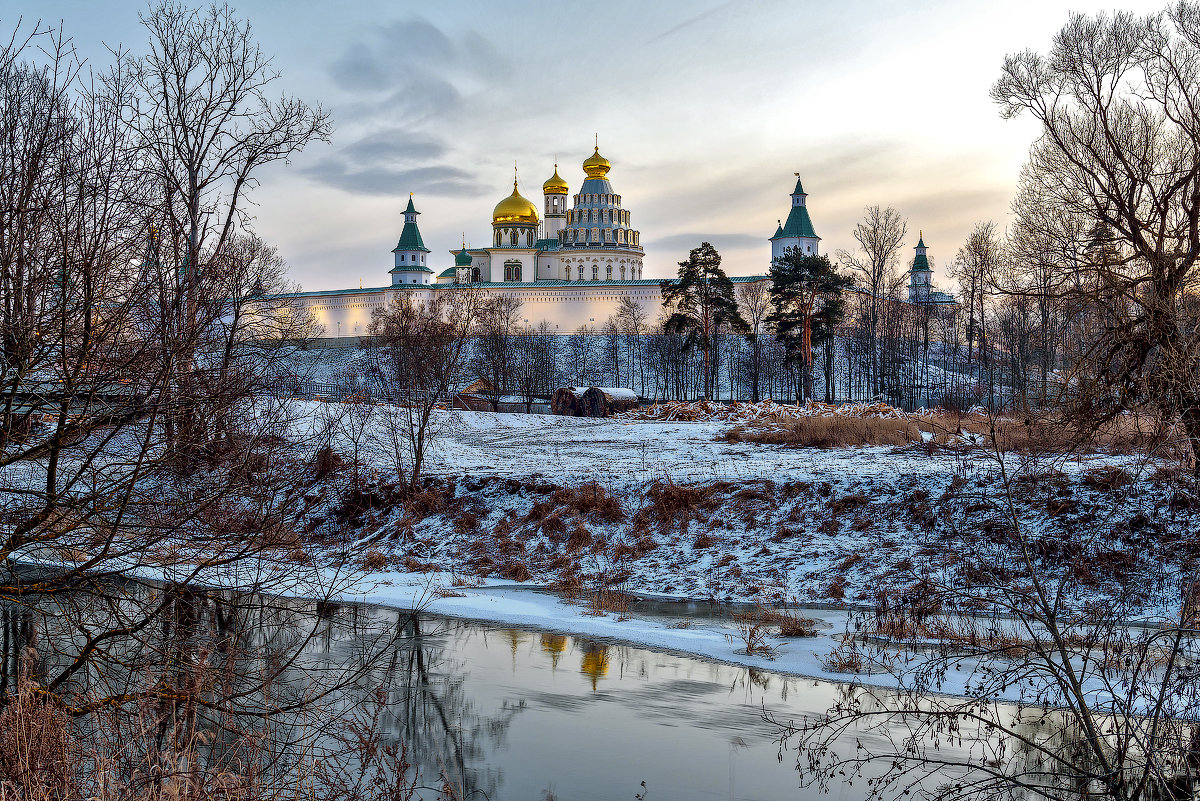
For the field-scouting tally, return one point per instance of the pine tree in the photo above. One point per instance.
(806, 301)
(702, 305)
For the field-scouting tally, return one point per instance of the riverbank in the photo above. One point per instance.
(675, 509)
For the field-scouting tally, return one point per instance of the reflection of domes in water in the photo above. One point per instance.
(554, 644)
(595, 662)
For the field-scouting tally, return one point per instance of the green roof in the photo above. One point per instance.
(410, 238)
(799, 190)
(798, 225)
(462, 258)
(411, 208)
(921, 261)
(447, 273)
(413, 269)
(778, 232)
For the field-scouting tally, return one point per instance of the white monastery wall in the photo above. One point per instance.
(564, 308)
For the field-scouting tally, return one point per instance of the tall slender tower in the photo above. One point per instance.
(920, 277)
(410, 252)
(555, 191)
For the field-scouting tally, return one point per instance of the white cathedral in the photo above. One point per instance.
(569, 267)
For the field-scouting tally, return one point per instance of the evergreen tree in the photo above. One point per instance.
(807, 302)
(701, 303)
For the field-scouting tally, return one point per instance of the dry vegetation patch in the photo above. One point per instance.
(830, 432)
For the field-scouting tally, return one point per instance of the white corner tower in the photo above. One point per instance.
(410, 252)
(798, 231)
(920, 277)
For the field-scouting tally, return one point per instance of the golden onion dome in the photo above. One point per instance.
(595, 165)
(555, 185)
(514, 208)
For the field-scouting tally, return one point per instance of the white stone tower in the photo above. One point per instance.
(555, 191)
(920, 277)
(410, 252)
(798, 231)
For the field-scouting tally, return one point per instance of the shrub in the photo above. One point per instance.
(1107, 479)
(753, 629)
(327, 461)
(671, 507)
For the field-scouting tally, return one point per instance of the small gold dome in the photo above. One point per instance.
(555, 185)
(596, 166)
(514, 208)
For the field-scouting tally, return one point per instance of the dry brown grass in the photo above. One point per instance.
(671, 507)
(790, 622)
(606, 599)
(1124, 434)
(374, 560)
(830, 432)
(753, 630)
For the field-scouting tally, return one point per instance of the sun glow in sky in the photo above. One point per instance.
(705, 110)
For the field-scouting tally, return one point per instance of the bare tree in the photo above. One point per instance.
(418, 353)
(207, 126)
(879, 237)
(754, 300)
(1120, 146)
(534, 363)
(495, 345)
(976, 267)
(95, 490)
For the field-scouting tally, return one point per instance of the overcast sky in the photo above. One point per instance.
(705, 110)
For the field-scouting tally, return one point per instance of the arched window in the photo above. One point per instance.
(497, 238)
(608, 274)
(475, 275)
(512, 237)
(581, 272)
(595, 272)
(622, 272)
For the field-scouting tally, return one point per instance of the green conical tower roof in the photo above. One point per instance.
(778, 230)
(410, 236)
(799, 190)
(798, 224)
(921, 261)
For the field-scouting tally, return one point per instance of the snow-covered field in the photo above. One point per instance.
(617, 453)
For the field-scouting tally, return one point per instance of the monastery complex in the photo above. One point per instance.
(570, 266)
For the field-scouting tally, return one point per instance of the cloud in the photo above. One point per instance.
(437, 179)
(358, 70)
(393, 145)
(398, 108)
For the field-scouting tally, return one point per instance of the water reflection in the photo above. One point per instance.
(502, 712)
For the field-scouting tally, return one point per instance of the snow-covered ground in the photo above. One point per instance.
(616, 453)
(672, 508)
